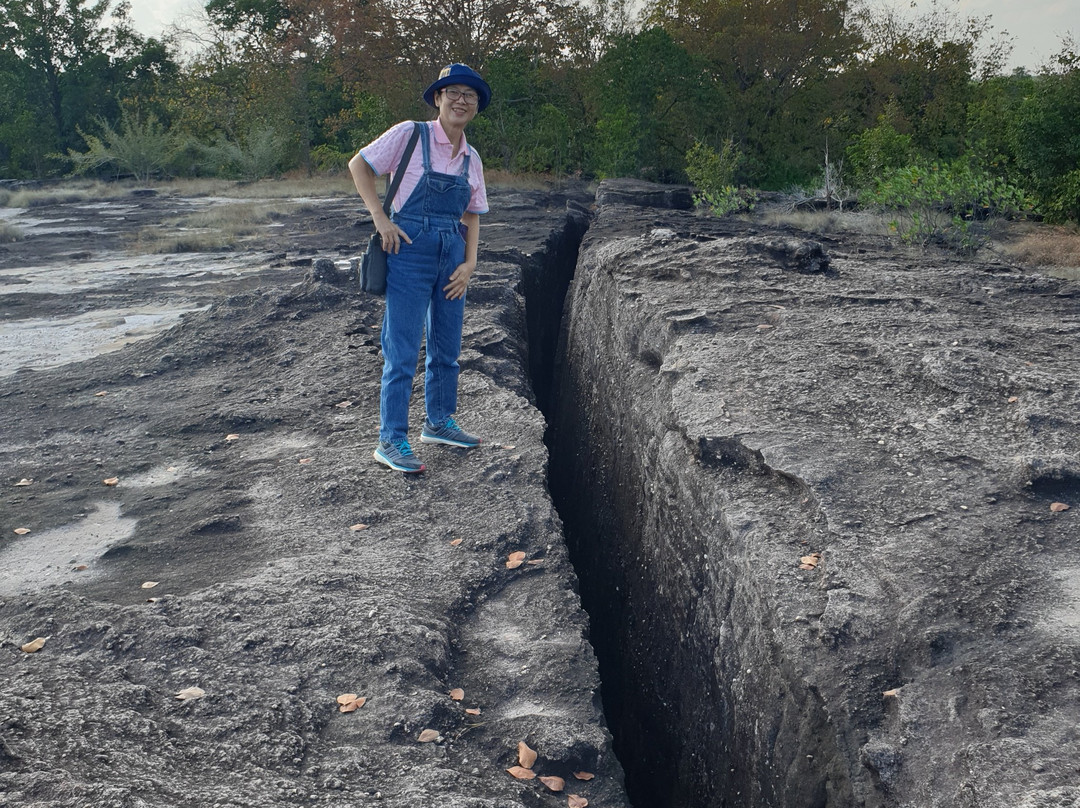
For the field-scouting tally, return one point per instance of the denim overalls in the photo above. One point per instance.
(415, 299)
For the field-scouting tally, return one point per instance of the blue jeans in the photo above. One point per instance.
(415, 301)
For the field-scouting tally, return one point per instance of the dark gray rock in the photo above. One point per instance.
(644, 194)
(812, 515)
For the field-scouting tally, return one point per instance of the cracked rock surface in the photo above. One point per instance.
(810, 486)
(289, 568)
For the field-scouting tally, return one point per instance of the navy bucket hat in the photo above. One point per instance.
(459, 74)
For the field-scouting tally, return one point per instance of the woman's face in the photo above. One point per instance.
(457, 105)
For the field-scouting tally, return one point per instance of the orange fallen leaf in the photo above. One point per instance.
(358, 526)
(34, 646)
(149, 584)
(521, 773)
(457, 694)
(190, 693)
(509, 446)
(472, 710)
(809, 562)
(526, 756)
(574, 801)
(456, 542)
(101, 393)
(515, 560)
(111, 481)
(554, 783)
(891, 694)
(1059, 507)
(350, 702)
(232, 436)
(343, 404)
(21, 531)
(428, 735)
(1013, 399)
(80, 568)
(24, 481)
(584, 775)
(305, 460)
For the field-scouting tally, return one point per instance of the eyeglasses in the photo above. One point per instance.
(468, 96)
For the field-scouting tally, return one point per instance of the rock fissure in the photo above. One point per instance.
(792, 582)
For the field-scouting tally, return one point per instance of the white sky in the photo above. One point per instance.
(1036, 25)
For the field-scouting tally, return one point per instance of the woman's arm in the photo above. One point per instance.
(459, 279)
(364, 179)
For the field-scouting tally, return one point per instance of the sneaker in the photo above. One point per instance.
(449, 433)
(398, 456)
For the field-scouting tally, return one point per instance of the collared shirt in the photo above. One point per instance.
(384, 153)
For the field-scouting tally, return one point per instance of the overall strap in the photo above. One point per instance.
(404, 164)
(465, 168)
(427, 146)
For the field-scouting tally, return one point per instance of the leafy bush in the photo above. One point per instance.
(713, 174)
(937, 202)
(139, 148)
(878, 150)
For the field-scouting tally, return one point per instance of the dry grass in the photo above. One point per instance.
(73, 192)
(824, 222)
(221, 227)
(10, 233)
(1043, 245)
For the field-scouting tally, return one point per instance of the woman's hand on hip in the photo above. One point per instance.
(391, 234)
(459, 281)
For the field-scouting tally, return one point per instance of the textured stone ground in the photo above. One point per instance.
(241, 444)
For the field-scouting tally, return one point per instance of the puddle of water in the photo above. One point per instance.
(49, 557)
(51, 342)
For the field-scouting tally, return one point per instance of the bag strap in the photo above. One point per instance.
(401, 167)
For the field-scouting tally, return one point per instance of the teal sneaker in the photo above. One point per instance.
(398, 456)
(449, 433)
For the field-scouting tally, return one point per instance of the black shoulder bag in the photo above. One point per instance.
(373, 264)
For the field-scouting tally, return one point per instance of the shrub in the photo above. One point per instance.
(139, 148)
(936, 202)
(713, 174)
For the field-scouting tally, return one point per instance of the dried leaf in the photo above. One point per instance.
(554, 783)
(343, 404)
(584, 775)
(521, 773)
(152, 600)
(190, 693)
(21, 531)
(101, 393)
(891, 694)
(358, 526)
(1059, 507)
(574, 801)
(515, 560)
(150, 584)
(809, 562)
(428, 735)
(24, 481)
(457, 694)
(509, 447)
(350, 702)
(232, 436)
(1013, 399)
(80, 568)
(111, 481)
(305, 460)
(34, 646)
(472, 710)
(456, 542)
(526, 756)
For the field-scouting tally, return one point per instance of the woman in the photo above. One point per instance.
(431, 240)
